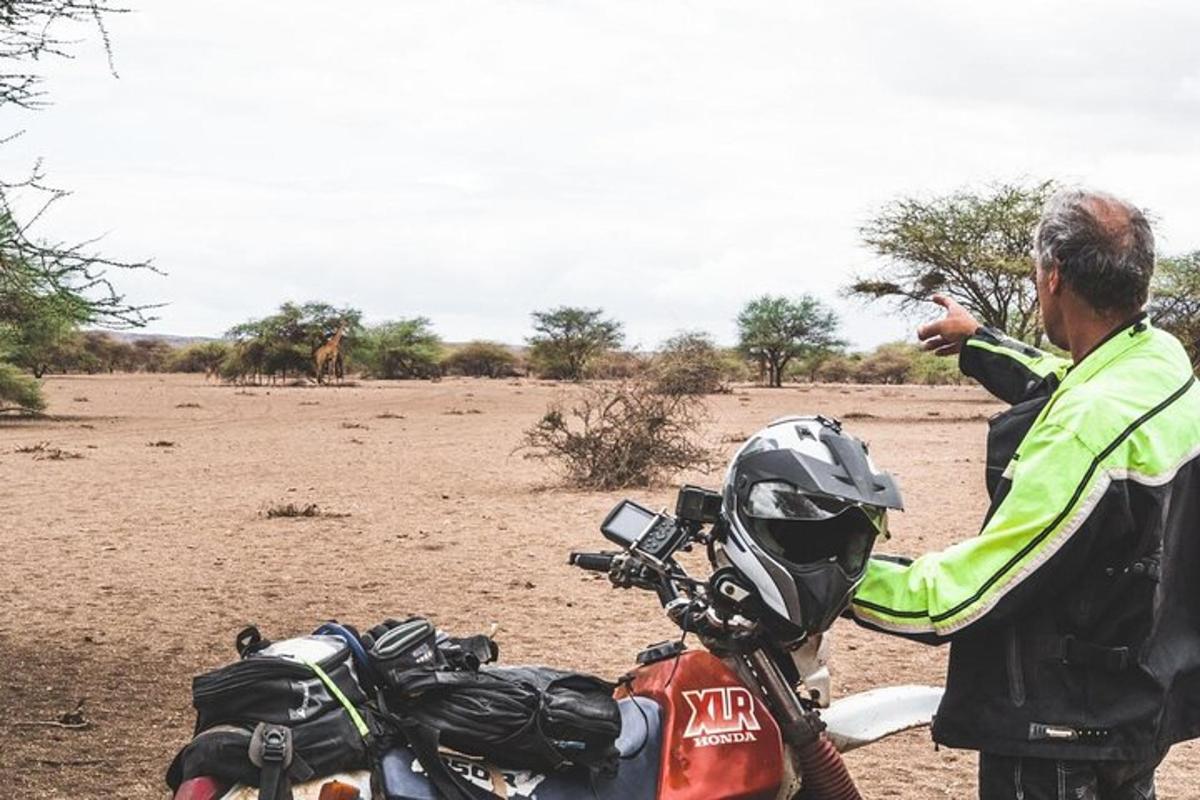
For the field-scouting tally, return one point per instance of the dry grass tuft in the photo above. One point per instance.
(42, 451)
(160, 443)
(297, 510)
(389, 415)
(187, 405)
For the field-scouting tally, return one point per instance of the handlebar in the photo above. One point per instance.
(689, 608)
(592, 562)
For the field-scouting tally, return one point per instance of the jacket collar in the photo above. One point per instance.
(1112, 346)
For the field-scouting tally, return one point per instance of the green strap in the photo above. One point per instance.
(359, 724)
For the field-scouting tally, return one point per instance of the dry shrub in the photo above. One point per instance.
(160, 443)
(617, 365)
(480, 359)
(689, 363)
(187, 405)
(389, 415)
(620, 435)
(895, 363)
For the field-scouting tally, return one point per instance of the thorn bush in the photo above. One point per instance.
(617, 435)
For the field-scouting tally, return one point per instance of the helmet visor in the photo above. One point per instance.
(805, 531)
(780, 500)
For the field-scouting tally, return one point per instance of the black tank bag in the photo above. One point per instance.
(286, 713)
(443, 694)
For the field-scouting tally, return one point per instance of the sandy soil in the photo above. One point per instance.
(129, 569)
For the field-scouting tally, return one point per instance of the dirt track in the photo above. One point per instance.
(126, 571)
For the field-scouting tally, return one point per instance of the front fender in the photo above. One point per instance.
(866, 717)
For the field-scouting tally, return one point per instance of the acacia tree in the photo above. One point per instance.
(39, 276)
(775, 330)
(568, 338)
(1175, 305)
(975, 247)
(283, 343)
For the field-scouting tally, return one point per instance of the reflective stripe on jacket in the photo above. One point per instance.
(1074, 616)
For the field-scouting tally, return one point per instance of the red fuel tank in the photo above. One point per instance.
(719, 740)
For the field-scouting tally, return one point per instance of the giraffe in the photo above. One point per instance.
(330, 352)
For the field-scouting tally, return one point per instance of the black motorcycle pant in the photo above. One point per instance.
(1014, 778)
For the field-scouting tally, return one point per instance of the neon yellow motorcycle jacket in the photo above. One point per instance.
(1074, 616)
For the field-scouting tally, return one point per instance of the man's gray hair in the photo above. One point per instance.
(1102, 246)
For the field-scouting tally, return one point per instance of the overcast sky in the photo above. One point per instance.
(471, 161)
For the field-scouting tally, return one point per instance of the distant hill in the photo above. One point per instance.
(129, 337)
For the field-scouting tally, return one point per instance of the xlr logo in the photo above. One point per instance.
(721, 716)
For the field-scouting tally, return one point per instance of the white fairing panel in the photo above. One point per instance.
(867, 717)
(360, 780)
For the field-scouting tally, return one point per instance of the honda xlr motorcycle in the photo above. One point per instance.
(748, 717)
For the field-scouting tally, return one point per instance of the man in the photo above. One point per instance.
(1074, 617)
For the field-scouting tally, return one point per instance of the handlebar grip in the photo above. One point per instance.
(593, 562)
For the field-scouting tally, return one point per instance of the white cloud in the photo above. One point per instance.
(471, 161)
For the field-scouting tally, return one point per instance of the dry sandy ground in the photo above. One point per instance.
(128, 570)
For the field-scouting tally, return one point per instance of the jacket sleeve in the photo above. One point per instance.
(1026, 549)
(1009, 369)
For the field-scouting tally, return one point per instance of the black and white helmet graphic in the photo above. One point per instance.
(804, 505)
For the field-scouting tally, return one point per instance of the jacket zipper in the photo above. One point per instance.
(1016, 675)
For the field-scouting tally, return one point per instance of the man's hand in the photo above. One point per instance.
(945, 336)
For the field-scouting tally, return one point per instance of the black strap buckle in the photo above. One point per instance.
(276, 746)
(271, 751)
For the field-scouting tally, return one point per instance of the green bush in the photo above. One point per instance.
(480, 359)
(406, 348)
(19, 391)
(206, 357)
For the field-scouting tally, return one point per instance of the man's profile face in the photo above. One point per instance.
(1047, 282)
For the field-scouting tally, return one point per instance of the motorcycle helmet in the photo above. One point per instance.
(803, 505)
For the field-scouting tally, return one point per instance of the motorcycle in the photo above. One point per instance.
(746, 717)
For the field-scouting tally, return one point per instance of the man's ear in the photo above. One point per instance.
(1054, 281)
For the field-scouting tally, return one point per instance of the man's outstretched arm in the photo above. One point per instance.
(1009, 369)
(1030, 543)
